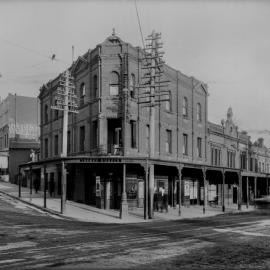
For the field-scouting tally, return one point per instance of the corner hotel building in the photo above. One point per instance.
(188, 148)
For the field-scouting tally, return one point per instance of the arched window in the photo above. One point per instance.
(168, 101)
(82, 94)
(114, 84)
(132, 85)
(185, 107)
(46, 114)
(199, 112)
(95, 84)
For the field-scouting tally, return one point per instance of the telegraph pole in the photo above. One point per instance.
(153, 90)
(66, 101)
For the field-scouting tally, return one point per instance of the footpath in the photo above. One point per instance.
(83, 212)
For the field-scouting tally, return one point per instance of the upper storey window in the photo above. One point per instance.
(95, 84)
(199, 112)
(132, 85)
(82, 94)
(185, 107)
(114, 84)
(46, 113)
(168, 104)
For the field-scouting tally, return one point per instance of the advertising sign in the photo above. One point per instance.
(187, 188)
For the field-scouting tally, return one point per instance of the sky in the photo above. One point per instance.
(226, 44)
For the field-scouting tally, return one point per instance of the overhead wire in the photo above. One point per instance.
(51, 57)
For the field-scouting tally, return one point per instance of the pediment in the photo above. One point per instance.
(201, 89)
(80, 64)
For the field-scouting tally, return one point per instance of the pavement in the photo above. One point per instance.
(83, 212)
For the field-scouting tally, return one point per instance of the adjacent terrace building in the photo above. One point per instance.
(108, 140)
(19, 133)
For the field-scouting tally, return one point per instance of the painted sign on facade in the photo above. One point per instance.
(26, 131)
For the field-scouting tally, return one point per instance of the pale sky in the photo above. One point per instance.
(226, 44)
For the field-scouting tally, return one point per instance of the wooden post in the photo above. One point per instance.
(180, 189)
(63, 187)
(146, 190)
(151, 182)
(45, 186)
(20, 185)
(124, 204)
(204, 190)
(223, 191)
(31, 183)
(255, 187)
(267, 186)
(239, 191)
(247, 187)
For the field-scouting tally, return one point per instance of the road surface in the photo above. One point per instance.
(32, 239)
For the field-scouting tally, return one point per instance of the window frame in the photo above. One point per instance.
(82, 93)
(82, 139)
(132, 85)
(46, 113)
(46, 147)
(199, 147)
(185, 144)
(95, 86)
(133, 129)
(168, 144)
(185, 107)
(114, 83)
(199, 112)
(56, 144)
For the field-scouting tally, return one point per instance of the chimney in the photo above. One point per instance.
(260, 142)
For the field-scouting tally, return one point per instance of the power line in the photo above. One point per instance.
(51, 57)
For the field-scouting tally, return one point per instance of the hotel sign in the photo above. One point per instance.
(100, 160)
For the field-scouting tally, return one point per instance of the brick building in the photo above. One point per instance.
(19, 133)
(108, 144)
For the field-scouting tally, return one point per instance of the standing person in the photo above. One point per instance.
(51, 186)
(159, 200)
(165, 200)
(155, 199)
(36, 187)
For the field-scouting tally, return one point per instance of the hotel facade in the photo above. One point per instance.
(108, 140)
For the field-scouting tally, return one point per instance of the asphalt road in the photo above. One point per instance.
(31, 239)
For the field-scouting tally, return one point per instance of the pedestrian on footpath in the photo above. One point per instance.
(51, 187)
